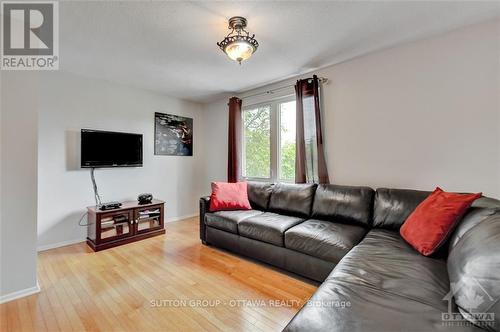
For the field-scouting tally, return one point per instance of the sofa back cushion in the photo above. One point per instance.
(346, 204)
(292, 199)
(393, 206)
(259, 194)
(474, 272)
(481, 209)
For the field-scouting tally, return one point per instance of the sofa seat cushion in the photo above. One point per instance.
(228, 220)
(340, 306)
(324, 239)
(389, 287)
(384, 260)
(267, 227)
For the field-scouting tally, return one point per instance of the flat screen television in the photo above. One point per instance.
(110, 149)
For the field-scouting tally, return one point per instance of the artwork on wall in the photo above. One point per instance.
(173, 135)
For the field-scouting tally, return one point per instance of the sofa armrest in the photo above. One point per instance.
(204, 208)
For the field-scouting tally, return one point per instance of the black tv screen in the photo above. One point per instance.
(110, 149)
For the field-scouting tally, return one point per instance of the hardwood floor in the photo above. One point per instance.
(156, 284)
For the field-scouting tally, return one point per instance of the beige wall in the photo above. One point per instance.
(418, 115)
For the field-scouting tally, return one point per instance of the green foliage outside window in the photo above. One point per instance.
(288, 161)
(257, 142)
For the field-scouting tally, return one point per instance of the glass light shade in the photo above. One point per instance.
(239, 50)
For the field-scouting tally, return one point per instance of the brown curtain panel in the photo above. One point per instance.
(310, 163)
(234, 140)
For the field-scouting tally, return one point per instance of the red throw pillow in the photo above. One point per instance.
(229, 196)
(428, 227)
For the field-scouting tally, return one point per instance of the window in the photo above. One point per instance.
(269, 141)
(257, 142)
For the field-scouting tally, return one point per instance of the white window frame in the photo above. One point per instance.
(274, 135)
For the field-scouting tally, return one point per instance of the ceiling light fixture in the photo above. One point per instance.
(238, 44)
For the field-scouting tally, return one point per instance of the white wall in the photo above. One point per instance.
(418, 115)
(70, 103)
(18, 191)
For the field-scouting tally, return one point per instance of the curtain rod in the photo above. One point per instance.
(270, 92)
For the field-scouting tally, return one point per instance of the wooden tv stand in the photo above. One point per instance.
(131, 222)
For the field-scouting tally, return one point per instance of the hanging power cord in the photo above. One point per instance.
(96, 191)
(81, 218)
(97, 199)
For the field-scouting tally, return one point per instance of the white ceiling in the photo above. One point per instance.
(170, 47)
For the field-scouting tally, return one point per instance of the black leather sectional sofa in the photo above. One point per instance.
(372, 280)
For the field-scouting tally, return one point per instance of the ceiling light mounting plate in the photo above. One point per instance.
(237, 22)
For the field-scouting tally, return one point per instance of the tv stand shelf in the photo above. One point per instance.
(128, 223)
